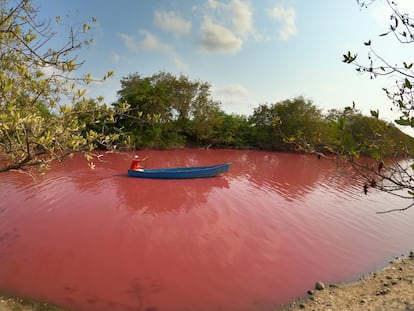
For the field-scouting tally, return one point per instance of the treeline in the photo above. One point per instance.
(164, 111)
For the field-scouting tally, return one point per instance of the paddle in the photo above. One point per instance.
(145, 159)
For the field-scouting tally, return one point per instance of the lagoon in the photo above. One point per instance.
(255, 238)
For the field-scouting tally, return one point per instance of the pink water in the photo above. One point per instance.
(257, 237)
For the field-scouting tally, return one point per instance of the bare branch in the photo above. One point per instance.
(396, 209)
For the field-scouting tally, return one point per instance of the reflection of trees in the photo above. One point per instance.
(291, 175)
(223, 240)
(109, 178)
(158, 196)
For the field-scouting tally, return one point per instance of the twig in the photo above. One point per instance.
(396, 209)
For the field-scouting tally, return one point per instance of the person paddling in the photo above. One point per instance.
(135, 164)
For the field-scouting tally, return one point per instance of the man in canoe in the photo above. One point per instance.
(135, 164)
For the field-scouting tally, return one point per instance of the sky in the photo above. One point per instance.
(251, 52)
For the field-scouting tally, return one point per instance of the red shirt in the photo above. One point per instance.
(135, 164)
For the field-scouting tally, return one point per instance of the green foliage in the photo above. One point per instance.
(298, 125)
(358, 135)
(165, 111)
(231, 131)
(46, 116)
(376, 138)
(281, 125)
(401, 93)
(35, 127)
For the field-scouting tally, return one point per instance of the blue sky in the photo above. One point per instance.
(251, 52)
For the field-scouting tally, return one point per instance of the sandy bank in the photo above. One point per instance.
(391, 288)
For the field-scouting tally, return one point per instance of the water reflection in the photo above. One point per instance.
(159, 196)
(292, 176)
(7, 239)
(99, 240)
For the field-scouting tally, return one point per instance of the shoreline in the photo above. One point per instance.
(390, 288)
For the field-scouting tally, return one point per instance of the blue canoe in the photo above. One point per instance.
(181, 172)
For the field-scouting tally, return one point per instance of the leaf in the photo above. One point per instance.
(88, 78)
(407, 84)
(88, 157)
(86, 27)
(403, 122)
(406, 66)
(348, 58)
(368, 43)
(80, 93)
(374, 113)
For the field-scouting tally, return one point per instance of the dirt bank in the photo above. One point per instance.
(389, 289)
(10, 303)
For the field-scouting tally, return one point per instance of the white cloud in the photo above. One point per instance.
(172, 22)
(213, 4)
(235, 98)
(234, 89)
(180, 64)
(241, 17)
(149, 42)
(217, 38)
(286, 16)
(226, 26)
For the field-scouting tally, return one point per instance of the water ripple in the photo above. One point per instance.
(274, 223)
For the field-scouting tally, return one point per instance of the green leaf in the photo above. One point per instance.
(403, 122)
(407, 84)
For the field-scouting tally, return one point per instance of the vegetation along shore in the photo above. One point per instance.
(165, 111)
